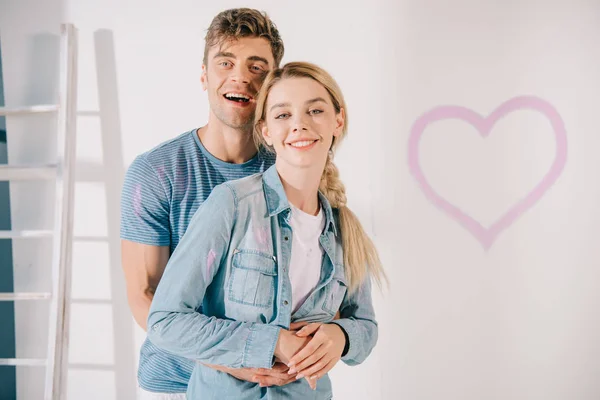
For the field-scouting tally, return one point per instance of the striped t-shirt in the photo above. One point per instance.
(162, 189)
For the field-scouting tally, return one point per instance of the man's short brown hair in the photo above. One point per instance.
(243, 22)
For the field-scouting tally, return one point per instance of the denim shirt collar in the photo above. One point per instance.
(277, 201)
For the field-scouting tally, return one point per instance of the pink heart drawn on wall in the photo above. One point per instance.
(484, 125)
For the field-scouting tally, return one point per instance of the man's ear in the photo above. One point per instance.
(204, 78)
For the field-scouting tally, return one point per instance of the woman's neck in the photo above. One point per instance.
(301, 188)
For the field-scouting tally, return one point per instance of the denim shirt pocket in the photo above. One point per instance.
(253, 278)
(336, 291)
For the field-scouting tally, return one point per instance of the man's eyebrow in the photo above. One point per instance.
(231, 55)
(224, 54)
(258, 58)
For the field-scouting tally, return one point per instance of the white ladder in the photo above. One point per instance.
(63, 173)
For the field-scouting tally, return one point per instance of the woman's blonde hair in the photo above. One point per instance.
(360, 255)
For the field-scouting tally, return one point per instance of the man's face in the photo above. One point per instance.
(235, 72)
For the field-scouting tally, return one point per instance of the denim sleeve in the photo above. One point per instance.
(176, 323)
(357, 318)
(144, 206)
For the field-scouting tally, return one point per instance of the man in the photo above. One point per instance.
(165, 186)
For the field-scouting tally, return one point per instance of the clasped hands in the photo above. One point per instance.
(307, 350)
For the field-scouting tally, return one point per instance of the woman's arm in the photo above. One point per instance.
(357, 319)
(176, 322)
(350, 338)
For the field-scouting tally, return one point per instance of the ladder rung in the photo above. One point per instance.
(32, 362)
(24, 296)
(46, 108)
(26, 172)
(31, 234)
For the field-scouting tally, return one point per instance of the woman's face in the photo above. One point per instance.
(301, 122)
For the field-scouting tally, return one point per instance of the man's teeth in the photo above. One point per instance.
(303, 143)
(236, 96)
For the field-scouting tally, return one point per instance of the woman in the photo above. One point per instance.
(272, 249)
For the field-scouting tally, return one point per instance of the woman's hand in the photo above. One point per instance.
(321, 353)
(288, 344)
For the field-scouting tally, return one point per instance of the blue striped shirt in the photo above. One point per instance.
(162, 190)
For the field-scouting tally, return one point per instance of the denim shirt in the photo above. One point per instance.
(226, 293)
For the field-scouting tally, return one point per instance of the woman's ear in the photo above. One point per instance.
(340, 119)
(265, 132)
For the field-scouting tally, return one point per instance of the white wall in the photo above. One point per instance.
(520, 320)
(511, 318)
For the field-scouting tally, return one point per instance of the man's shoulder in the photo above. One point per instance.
(170, 151)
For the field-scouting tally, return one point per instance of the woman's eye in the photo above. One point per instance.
(282, 116)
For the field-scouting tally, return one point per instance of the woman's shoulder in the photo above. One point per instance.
(242, 187)
(235, 191)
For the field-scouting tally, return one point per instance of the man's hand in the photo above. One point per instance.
(277, 376)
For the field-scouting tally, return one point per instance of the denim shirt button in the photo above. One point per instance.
(285, 302)
(286, 238)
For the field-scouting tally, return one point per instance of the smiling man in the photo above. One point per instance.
(165, 186)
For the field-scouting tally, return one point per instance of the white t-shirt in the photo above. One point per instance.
(307, 254)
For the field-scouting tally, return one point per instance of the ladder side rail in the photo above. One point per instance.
(58, 339)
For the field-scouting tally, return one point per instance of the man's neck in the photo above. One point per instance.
(225, 143)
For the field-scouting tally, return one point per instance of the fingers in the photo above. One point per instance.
(312, 380)
(278, 371)
(315, 376)
(266, 380)
(279, 367)
(307, 351)
(308, 361)
(276, 376)
(312, 371)
(294, 326)
(309, 329)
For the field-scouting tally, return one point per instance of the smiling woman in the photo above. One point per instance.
(301, 131)
(301, 115)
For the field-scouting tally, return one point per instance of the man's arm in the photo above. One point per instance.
(145, 234)
(143, 266)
